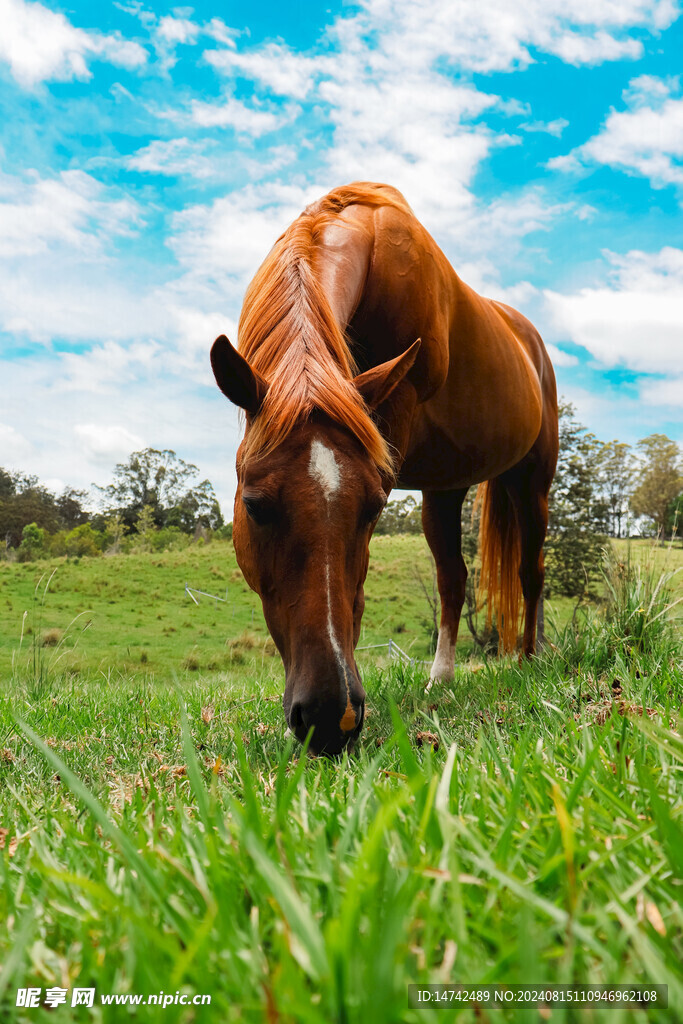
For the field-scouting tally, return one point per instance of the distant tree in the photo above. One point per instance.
(674, 517)
(114, 531)
(7, 485)
(401, 516)
(660, 480)
(197, 508)
(162, 481)
(145, 526)
(70, 509)
(24, 501)
(616, 467)
(578, 514)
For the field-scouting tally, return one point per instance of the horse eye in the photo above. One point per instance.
(260, 510)
(375, 508)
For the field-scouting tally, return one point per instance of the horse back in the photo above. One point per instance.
(482, 369)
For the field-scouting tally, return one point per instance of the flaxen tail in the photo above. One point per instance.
(500, 553)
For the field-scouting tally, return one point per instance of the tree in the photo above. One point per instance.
(146, 526)
(578, 514)
(674, 517)
(660, 479)
(615, 465)
(162, 481)
(115, 531)
(198, 507)
(24, 501)
(70, 508)
(7, 485)
(401, 516)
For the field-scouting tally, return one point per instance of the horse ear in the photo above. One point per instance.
(377, 383)
(235, 377)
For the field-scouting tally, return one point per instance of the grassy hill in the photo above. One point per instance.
(130, 614)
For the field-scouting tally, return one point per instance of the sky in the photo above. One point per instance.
(150, 156)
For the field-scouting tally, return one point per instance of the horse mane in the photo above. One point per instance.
(288, 334)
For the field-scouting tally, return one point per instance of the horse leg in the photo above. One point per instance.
(528, 493)
(441, 511)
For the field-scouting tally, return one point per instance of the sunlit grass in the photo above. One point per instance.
(522, 824)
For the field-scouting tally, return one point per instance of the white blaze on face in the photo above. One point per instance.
(324, 469)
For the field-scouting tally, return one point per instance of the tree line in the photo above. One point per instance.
(155, 501)
(601, 489)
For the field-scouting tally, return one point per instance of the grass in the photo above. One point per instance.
(520, 825)
(129, 614)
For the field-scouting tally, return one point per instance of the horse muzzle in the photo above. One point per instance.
(336, 723)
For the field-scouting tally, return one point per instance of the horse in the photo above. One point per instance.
(365, 363)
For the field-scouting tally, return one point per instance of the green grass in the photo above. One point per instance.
(165, 835)
(129, 614)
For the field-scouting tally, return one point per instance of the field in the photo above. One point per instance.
(158, 832)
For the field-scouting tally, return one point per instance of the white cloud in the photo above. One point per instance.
(576, 48)
(230, 237)
(381, 82)
(57, 237)
(102, 366)
(274, 66)
(559, 357)
(177, 30)
(635, 321)
(14, 447)
(176, 157)
(411, 129)
(42, 45)
(72, 210)
(105, 442)
(555, 127)
(644, 139)
(664, 393)
(170, 31)
(232, 113)
(493, 36)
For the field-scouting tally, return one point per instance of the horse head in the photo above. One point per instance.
(304, 515)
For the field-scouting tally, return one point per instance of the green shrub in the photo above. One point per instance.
(33, 543)
(638, 616)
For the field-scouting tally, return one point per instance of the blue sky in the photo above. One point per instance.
(150, 155)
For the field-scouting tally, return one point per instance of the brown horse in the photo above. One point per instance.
(366, 363)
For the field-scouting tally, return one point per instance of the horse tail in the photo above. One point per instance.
(500, 554)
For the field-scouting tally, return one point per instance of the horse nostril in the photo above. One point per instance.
(296, 718)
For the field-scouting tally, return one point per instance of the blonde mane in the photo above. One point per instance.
(288, 333)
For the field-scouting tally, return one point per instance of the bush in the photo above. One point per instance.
(33, 543)
(639, 603)
(81, 542)
(637, 623)
(169, 538)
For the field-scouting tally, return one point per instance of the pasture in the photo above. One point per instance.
(159, 832)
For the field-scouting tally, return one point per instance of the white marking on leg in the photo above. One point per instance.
(324, 469)
(444, 659)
